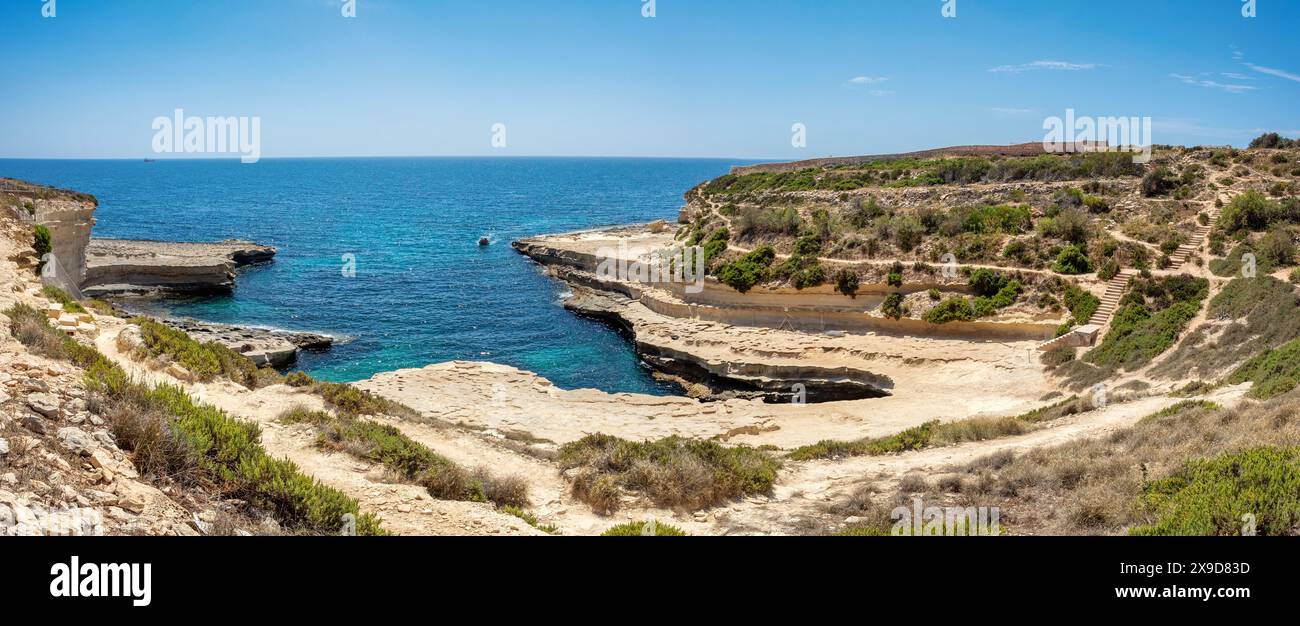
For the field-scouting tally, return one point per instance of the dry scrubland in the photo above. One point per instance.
(1200, 364)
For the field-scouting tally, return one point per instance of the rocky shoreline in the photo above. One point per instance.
(265, 347)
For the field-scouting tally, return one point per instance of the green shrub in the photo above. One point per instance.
(1252, 211)
(1006, 296)
(644, 529)
(1294, 276)
(893, 306)
(955, 309)
(808, 245)
(1277, 248)
(1160, 180)
(894, 279)
(299, 379)
(749, 270)
(41, 241)
(1210, 496)
(1081, 304)
(673, 472)
(356, 401)
(1137, 335)
(530, 519)
(847, 282)
(936, 433)
(986, 282)
(934, 294)
(802, 271)
(1072, 260)
(1275, 141)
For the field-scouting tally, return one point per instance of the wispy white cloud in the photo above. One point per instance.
(1044, 65)
(867, 80)
(1274, 72)
(881, 92)
(1236, 76)
(1164, 126)
(1210, 84)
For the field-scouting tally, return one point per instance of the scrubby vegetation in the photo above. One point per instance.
(1081, 305)
(1274, 140)
(911, 172)
(1072, 260)
(673, 472)
(530, 519)
(172, 437)
(954, 309)
(751, 269)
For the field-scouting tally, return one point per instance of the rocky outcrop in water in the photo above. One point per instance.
(274, 348)
(123, 266)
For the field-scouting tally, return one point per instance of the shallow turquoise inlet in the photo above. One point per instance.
(424, 290)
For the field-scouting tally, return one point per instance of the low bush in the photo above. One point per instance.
(847, 282)
(1072, 260)
(936, 433)
(41, 241)
(673, 472)
(893, 306)
(412, 461)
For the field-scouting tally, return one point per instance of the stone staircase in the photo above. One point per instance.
(1185, 251)
(1087, 334)
(1114, 291)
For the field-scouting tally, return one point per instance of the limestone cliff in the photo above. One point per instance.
(122, 266)
(68, 214)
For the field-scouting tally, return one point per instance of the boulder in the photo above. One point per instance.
(77, 440)
(45, 404)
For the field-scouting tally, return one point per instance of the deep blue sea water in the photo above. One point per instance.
(424, 290)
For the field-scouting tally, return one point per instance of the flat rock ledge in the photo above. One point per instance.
(141, 267)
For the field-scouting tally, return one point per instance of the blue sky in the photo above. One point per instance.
(596, 78)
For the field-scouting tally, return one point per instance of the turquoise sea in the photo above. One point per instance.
(424, 290)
